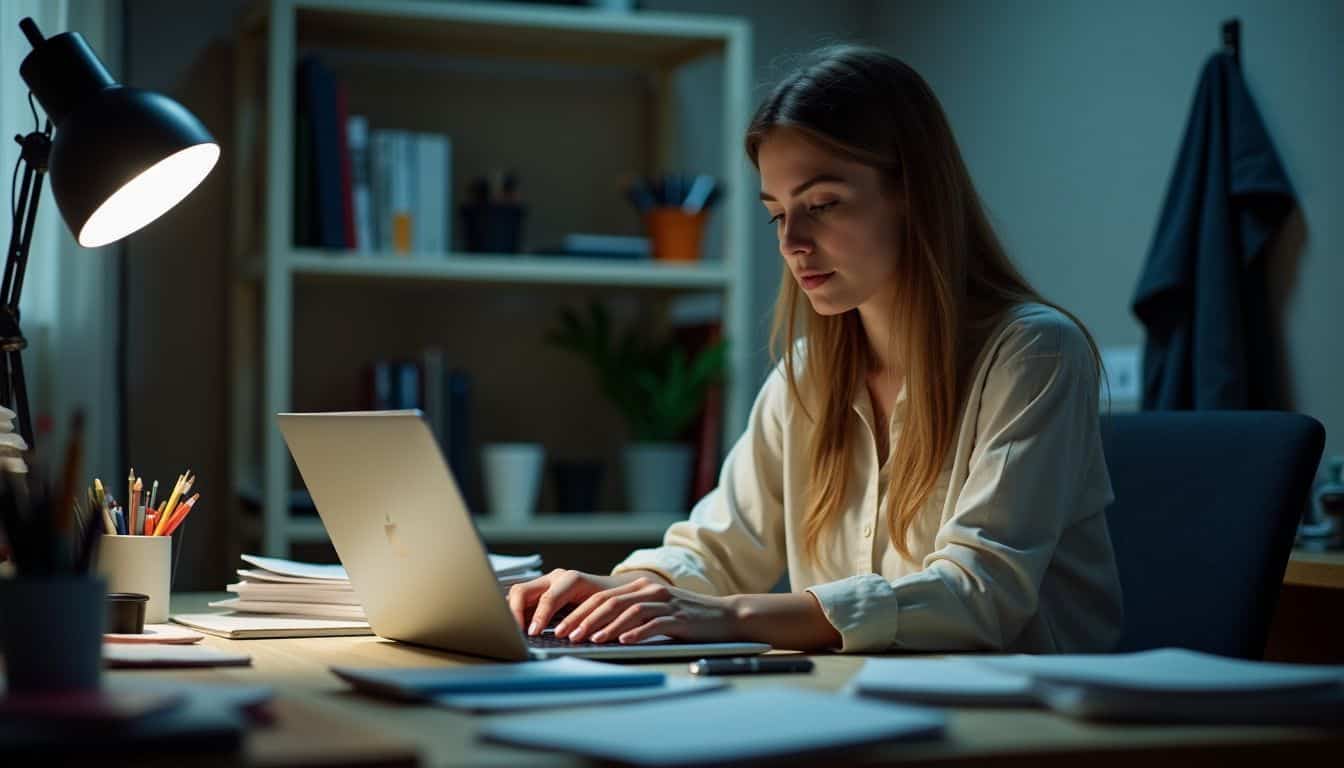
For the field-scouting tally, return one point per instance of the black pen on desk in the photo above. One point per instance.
(738, 665)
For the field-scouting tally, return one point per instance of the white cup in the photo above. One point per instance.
(513, 479)
(140, 564)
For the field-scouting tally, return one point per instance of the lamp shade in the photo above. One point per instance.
(120, 157)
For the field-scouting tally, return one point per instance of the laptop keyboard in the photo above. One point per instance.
(547, 639)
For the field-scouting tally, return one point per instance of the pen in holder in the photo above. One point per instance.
(674, 234)
(139, 564)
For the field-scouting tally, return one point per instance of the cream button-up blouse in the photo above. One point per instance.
(1011, 551)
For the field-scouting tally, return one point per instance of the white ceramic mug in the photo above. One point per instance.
(513, 479)
(139, 564)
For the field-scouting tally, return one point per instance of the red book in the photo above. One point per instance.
(347, 176)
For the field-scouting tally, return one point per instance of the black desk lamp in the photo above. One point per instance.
(120, 158)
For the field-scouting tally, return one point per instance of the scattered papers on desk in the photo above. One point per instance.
(719, 727)
(290, 588)
(1162, 685)
(424, 683)
(170, 656)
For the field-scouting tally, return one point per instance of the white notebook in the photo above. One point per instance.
(247, 627)
(719, 727)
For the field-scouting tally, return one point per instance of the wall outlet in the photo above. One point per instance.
(1122, 363)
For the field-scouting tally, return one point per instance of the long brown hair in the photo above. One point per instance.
(953, 276)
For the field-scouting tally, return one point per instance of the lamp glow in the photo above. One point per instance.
(149, 195)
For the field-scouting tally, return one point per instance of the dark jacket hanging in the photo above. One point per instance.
(1202, 296)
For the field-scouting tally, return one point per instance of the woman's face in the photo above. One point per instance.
(837, 229)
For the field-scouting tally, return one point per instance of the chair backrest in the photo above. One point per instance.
(1206, 508)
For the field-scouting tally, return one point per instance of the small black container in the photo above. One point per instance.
(577, 485)
(126, 613)
(492, 227)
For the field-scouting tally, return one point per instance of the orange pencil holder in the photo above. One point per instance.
(674, 234)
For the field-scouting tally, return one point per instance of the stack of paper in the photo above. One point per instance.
(1163, 685)
(276, 586)
(12, 444)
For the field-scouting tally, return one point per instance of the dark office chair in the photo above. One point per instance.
(1206, 508)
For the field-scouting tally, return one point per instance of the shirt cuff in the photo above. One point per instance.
(679, 567)
(862, 609)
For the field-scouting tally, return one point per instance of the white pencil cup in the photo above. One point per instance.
(513, 479)
(139, 564)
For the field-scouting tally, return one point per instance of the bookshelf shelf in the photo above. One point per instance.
(542, 529)
(573, 98)
(512, 269)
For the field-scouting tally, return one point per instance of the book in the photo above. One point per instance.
(304, 607)
(235, 626)
(357, 138)
(1162, 685)
(318, 90)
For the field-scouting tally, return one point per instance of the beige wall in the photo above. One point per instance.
(1070, 114)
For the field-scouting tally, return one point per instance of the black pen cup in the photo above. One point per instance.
(126, 613)
(492, 227)
(51, 634)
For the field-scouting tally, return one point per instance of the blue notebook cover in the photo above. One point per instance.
(423, 683)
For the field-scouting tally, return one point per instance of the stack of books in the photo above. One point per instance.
(276, 586)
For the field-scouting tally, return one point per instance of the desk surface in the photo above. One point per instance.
(1315, 569)
(321, 722)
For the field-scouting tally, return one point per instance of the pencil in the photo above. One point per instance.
(153, 494)
(130, 491)
(180, 515)
(136, 489)
(102, 504)
(171, 505)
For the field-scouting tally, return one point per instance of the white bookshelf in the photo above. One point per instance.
(269, 270)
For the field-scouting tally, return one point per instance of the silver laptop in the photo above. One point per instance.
(400, 527)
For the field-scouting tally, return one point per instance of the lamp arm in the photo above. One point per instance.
(13, 391)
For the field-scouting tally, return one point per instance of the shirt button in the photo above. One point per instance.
(867, 531)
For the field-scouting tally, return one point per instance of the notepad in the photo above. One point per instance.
(169, 656)
(949, 681)
(494, 703)
(564, 674)
(720, 727)
(249, 627)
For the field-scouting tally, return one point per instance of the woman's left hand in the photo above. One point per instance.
(643, 608)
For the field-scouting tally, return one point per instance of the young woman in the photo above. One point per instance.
(925, 461)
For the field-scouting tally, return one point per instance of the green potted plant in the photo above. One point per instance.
(658, 388)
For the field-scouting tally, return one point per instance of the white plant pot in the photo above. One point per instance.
(657, 478)
(513, 479)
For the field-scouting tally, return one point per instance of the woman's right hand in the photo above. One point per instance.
(543, 596)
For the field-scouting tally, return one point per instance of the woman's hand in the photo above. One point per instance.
(543, 596)
(642, 608)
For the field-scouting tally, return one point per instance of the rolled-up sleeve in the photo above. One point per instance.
(980, 585)
(733, 542)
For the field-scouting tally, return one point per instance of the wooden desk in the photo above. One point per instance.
(384, 733)
(1315, 569)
